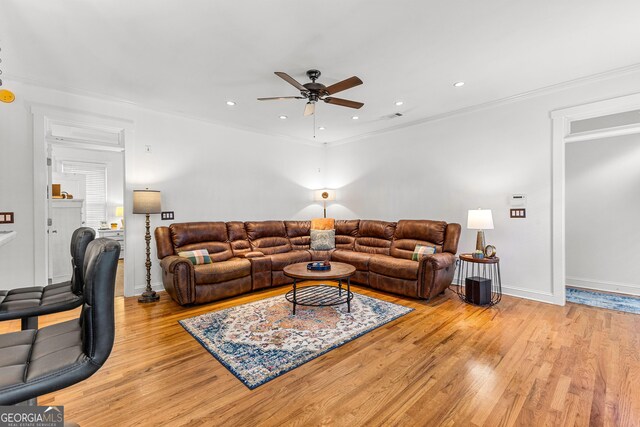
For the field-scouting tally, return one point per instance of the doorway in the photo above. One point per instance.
(92, 134)
(87, 191)
(594, 144)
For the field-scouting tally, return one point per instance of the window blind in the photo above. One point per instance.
(95, 202)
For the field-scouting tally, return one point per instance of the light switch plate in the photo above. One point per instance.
(518, 213)
(6, 217)
(168, 215)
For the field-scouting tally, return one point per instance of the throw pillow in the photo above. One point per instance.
(198, 256)
(323, 240)
(421, 251)
(323, 224)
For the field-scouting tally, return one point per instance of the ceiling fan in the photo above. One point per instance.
(315, 92)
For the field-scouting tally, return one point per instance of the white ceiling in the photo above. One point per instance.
(190, 57)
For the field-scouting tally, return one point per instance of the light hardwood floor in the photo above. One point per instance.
(446, 363)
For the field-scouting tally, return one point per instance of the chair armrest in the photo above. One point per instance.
(178, 277)
(435, 274)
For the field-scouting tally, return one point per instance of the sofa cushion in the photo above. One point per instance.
(410, 233)
(211, 236)
(186, 233)
(374, 237)
(298, 234)
(323, 240)
(346, 232)
(359, 260)
(224, 271)
(394, 267)
(281, 260)
(238, 237)
(268, 237)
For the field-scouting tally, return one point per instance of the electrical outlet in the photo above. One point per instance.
(6, 217)
(168, 215)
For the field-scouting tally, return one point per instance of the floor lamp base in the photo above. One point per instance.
(149, 296)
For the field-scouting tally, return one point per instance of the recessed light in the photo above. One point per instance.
(321, 128)
(399, 103)
(458, 84)
(283, 117)
(231, 103)
(355, 118)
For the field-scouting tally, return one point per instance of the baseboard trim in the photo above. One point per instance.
(139, 289)
(600, 285)
(540, 296)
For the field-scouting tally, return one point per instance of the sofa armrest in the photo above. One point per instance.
(249, 255)
(435, 274)
(178, 277)
(260, 272)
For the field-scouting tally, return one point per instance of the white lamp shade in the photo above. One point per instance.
(324, 195)
(119, 211)
(480, 219)
(146, 202)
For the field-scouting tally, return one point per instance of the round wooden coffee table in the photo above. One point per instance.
(320, 295)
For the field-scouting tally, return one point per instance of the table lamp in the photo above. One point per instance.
(147, 202)
(480, 219)
(323, 196)
(120, 214)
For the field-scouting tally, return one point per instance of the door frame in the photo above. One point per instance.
(561, 135)
(42, 115)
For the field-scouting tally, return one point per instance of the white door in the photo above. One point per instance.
(66, 217)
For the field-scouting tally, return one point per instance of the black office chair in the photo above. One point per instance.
(38, 361)
(29, 303)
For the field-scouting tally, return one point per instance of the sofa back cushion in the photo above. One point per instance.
(451, 238)
(211, 236)
(268, 237)
(410, 233)
(164, 244)
(238, 237)
(298, 233)
(346, 232)
(374, 237)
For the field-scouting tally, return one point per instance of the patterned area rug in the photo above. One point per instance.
(629, 304)
(262, 340)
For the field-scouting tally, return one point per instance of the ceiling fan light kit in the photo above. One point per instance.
(314, 92)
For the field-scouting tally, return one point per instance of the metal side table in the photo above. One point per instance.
(479, 281)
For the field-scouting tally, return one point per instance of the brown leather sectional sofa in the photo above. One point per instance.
(251, 255)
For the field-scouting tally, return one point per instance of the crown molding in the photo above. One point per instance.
(618, 72)
(132, 104)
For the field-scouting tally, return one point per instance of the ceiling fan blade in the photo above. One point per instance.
(309, 109)
(343, 102)
(344, 85)
(286, 77)
(281, 97)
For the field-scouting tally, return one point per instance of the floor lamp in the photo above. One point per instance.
(324, 196)
(147, 202)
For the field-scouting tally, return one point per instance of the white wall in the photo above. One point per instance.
(115, 172)
(440, 169)
(436, 170)
(205, 172)
(602, 211)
